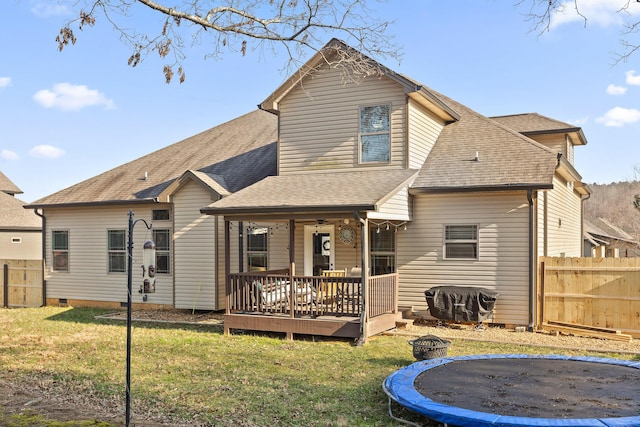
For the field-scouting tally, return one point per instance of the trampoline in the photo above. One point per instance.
(519, 390)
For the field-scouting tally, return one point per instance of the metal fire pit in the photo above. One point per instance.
(429, 347)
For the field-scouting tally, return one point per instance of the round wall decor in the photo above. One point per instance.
(347, 234)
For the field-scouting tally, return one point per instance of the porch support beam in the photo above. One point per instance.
(292, 247)
(227, 271)
(292, 272)
(364, 244)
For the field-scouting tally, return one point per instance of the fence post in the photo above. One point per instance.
(542, 297)
(5, 286)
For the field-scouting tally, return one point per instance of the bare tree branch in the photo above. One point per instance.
(541, 14)
(299, 26)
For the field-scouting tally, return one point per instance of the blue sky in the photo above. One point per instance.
(67, 116)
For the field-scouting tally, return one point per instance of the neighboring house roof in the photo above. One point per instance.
(478, 153)
(13, 216)
(534, 124)
(602, 228)
(316, 192)
(6, 186)
(234, 155)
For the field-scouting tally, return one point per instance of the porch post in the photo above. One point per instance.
(364, 316)
(227, 271)
(292, 247)
(292, 272)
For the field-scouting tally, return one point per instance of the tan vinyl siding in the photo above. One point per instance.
(556, 142)
(564, 218)
(541, 226)
(569, 149)
(234, 245)
(319, 123)
(21, 244)
(396, 208)
(502, 220)
(87, 278)
(424, 129)
(278, 246)
(194, 249)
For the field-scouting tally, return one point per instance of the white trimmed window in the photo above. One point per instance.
(382, 242)
(375, 134)
(461, 241)
(60, 250)
(257, 248)
(117, 251)
(162, 239)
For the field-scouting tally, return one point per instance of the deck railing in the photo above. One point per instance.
(270, 293)
(383, 294)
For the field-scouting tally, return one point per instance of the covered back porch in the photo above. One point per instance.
(306, 261)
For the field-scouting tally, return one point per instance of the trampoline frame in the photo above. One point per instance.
(399, 387)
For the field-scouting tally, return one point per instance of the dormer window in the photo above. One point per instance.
(375, 135)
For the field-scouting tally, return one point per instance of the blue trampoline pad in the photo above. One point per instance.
(520, 390)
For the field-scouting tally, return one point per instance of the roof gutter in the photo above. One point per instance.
(261, 211)
(470, 189)
(98, 203)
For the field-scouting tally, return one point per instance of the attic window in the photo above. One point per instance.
(160, 215)
(375, 136)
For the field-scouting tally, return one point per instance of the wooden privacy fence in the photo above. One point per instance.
(591, 293)
(21, 283)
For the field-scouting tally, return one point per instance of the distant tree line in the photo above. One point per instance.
(616, 203)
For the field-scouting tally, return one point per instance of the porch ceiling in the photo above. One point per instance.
(311, 193)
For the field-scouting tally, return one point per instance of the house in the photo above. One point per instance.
(20, 230)
(604, 239)
(353, 199)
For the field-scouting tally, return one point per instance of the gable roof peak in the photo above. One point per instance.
(356, 66)
(7, 186)
(537, 124)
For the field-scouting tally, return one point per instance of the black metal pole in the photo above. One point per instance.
(132, 223)
(129, 286)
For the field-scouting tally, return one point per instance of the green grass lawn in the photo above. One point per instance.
(196, 375)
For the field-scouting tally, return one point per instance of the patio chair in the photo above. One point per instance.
(329, 289)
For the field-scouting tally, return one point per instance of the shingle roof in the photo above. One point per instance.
(602, 227)
(6, 186)
(315, 192)
(534, 123)
(13, 216)
(238, 153)
(505, 158)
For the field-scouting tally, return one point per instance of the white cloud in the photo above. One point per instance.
(5, 81)
(9, 155)
(46, 152)
(579, 122)
(600, 12)
(616, 90)
(45, 9)
(632, 79)
(68, 97)
(620, 116)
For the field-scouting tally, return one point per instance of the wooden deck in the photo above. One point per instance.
(311, 305)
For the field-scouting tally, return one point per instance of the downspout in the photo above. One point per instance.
(44, 255)
(532, 260)
(582, 200)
